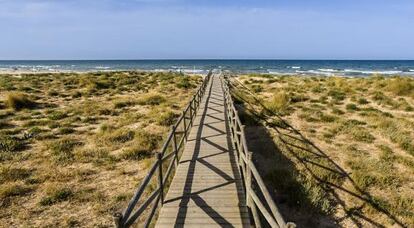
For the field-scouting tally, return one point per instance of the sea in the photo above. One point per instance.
(298, 67)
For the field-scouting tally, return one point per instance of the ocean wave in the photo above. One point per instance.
(387, 72)
(328, 70)
(316, 72)
(274, 72)
(193, 71)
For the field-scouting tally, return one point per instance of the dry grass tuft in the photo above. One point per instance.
(19, 101)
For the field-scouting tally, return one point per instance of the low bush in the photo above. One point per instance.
(14, 189)
(363, 101)
(337, 95)
(10, 144)
(167, 118)
(108, 135)
(143, 146)
(352, 107)
(56, 115)
(62, 149)
(151, 99)
(279, 102)
(256, 88)
(362, 135)
(401, 86)
(122, 104)
(55, 195)
(337, 111)
(13, 174)
(66, 130)
(184, 83)
(18, 101)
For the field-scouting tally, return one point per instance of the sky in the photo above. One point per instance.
(206, 29)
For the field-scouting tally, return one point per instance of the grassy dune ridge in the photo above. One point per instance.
(74, 146)
(336, 150)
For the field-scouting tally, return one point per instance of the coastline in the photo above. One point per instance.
(203, 72)
(355, 68)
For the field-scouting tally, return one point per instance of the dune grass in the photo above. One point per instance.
(73, 147)
(18, 101)
(361, 127)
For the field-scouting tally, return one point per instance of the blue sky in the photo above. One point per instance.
(153, 29)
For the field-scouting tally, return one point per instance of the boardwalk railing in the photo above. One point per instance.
(162, 169)
(258, 198)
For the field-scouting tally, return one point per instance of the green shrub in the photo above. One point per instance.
(62, 149)
(327, 118)
(35, 131)
(94, 84)
(66, 130)
(337, 95)
(151, 99)
(379, 96)
(56, 195)
(15, 189)
(184, 83)
(76, 94)
(256, 88)
(401, 86)
(13, 174)
(279, 102)
(167, 118)
(295, 98)
(56, 115)
(363, 101)
(361, 135)
(53, 93)
(143, 146)
(10, 144)
(337, 111)
(122, 104)
(110, 135)
(352, 107)
(18, 101)
(317, 89)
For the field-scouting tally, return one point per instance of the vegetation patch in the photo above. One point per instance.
(64, 139)
(14, 189)
(279, 102)
(340, 141)
(19, 101)
(62, 149)
(142, 147)
(151, 99)
(55, 195)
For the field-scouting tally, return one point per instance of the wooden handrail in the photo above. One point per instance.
(254, 184)
(180, 128)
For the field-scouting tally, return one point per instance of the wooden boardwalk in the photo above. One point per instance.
(207, 189)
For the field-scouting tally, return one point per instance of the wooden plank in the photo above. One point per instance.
(207, 189)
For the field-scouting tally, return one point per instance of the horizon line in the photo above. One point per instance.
(209, 59)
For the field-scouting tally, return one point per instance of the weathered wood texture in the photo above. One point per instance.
(207, 189)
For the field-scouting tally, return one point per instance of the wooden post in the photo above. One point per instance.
(160, 184)
(118, 220)
(191, 113)
(248, 178)
(250, 203)
(175, 144)
(185, 125)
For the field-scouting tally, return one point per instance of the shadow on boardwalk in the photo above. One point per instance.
(207, 188)
(308, 185)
